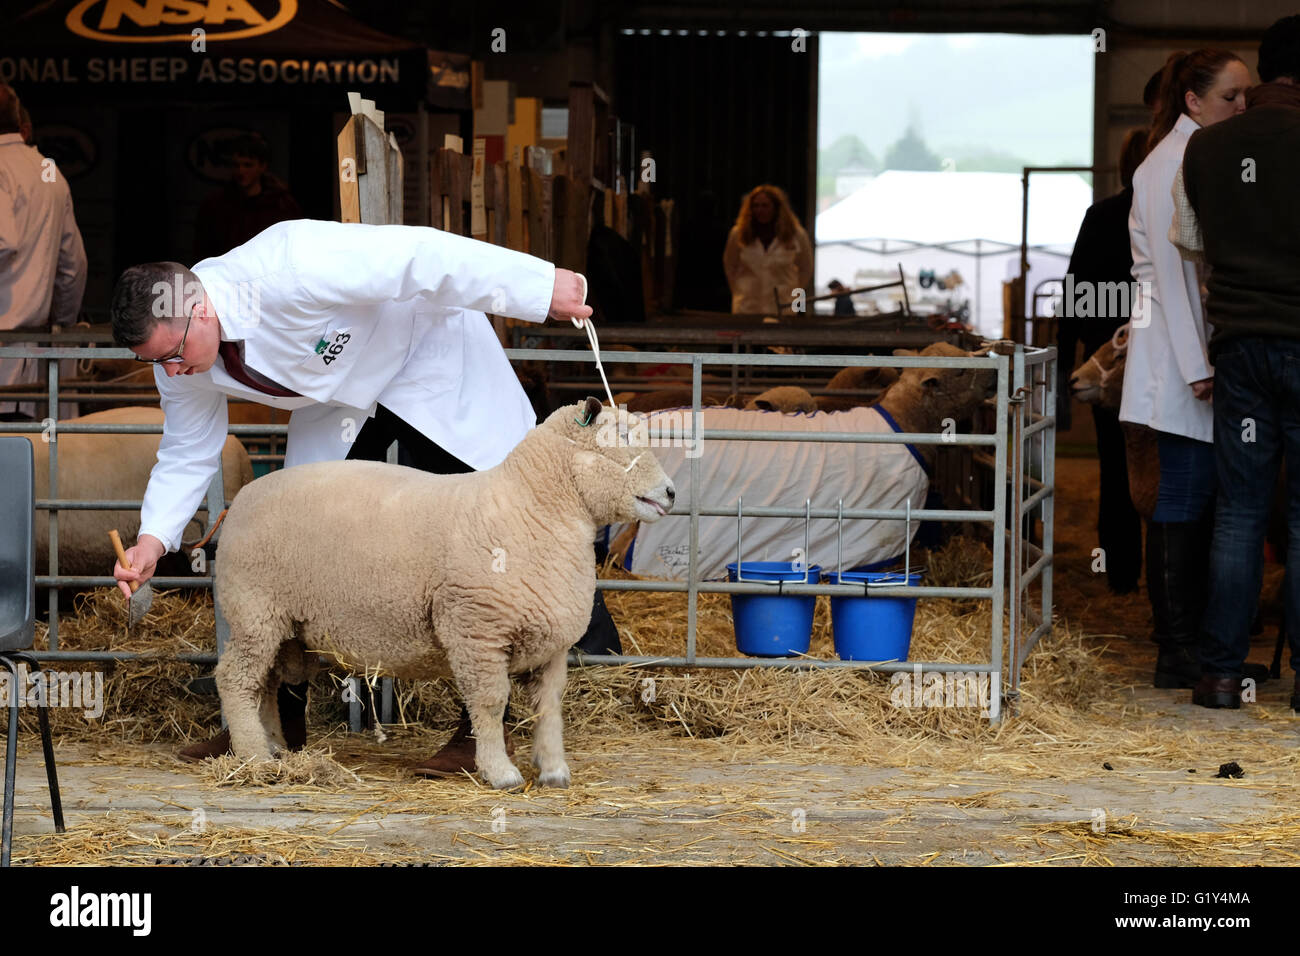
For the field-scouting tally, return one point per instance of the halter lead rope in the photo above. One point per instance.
(593, 340)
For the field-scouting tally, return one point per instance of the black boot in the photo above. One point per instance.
(602, 635)
(292, 699)
(1177, 552)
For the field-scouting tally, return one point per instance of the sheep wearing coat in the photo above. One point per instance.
(391, 569)
(113, 467)
(786, 474)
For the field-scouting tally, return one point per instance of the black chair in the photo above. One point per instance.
(18, 616)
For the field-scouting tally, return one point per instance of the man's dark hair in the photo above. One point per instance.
(251, 146)
(146, 295)
(10, 110)
(1279, 50)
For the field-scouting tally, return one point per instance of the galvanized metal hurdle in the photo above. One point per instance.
(1024, 411)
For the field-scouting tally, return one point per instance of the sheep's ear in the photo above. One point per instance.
(905, 352)
(588, 411)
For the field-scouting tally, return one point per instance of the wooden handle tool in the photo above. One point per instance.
(121, 558)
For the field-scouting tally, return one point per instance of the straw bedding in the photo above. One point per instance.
(1075, 713)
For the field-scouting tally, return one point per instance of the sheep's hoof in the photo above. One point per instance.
(507, 780)
(555, 778)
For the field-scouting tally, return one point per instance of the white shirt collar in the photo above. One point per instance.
(1186, 125)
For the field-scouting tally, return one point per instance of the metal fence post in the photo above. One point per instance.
(692, 565)
(999, 538)
(53, 491)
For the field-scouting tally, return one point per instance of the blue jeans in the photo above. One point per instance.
(1256, 423)
(1186, 478)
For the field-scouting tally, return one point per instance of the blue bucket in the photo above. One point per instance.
(775, 625)
(873, 628)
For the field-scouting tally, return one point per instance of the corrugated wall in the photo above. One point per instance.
(721, 114)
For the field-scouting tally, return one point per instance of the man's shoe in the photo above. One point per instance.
(217, 746)
(292, 699)
(1218, 692)
(457, 755)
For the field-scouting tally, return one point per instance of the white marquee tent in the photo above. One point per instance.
(953, 220)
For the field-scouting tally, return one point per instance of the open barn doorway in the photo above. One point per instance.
(922, 139)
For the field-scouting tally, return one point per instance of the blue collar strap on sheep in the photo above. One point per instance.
(594, 341)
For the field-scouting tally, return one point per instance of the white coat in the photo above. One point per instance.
(1168, 354)
(754, 272)
(350, 316)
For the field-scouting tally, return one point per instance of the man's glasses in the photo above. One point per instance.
(180, 352)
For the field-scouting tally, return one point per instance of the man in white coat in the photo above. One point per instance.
(367, 334)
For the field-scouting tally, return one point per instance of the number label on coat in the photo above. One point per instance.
(329, 351)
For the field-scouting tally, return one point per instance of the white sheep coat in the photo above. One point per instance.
(782, 474)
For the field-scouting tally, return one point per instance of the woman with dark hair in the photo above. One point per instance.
(768, 253)
(1102, 255)
(1168, 378)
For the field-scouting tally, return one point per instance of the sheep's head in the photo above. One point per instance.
(857, 377)
(784, 398)
(923, 397)
(1100, 379)
(616, 482)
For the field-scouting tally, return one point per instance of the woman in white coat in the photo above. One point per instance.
(768, 254)
(1168, 378)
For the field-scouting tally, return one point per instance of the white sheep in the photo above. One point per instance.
(410, 574)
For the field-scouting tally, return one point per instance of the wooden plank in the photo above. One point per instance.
(516, 208)
(499, 229)
(437, 190)
(582, 131)
(396, 196)
(538, 218)
(349, 193)
(372, 184)
(620, 214)
(455, 187)
(571, 233)
(478, 225)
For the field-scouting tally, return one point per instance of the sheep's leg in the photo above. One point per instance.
(548, 741)
(242, 682)
(484, 682)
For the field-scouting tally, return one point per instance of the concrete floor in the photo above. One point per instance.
(683, 801)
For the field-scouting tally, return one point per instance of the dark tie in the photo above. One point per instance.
(234, 362)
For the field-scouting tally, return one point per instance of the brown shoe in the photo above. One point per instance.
(457, 755)
(214, 747)
(1218, 692)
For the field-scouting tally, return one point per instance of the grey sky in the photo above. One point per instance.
(1027, 95)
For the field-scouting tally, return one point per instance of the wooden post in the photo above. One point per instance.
(365, 145)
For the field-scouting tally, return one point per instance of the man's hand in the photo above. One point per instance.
(1204, 389)
(567, 296)
(144, 561)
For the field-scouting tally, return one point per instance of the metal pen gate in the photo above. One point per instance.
(1022, 443)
